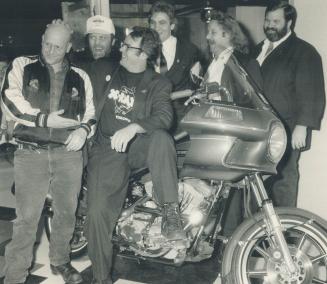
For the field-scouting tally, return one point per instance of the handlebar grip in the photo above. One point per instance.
(180, 135)
(181, 94)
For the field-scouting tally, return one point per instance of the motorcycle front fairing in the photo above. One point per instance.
(233, 132)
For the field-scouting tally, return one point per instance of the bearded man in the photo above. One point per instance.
(294, 85)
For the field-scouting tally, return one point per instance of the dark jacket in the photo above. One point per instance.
(154, 111)
(293, 82)
(179, 73)
(26, 95)
(99, 70)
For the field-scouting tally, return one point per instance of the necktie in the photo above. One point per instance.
(163, 64)
(269, 49)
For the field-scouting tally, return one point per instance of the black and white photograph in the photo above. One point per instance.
(163, 142)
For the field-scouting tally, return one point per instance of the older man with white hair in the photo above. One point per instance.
(52, 105)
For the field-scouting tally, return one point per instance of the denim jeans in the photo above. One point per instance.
(38, 172)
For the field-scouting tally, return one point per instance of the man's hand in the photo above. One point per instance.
(299, 136)
(56, 121)
(76, 140)
(122, 137)
(196, 73)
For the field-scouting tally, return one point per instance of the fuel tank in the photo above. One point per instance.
(226, 141)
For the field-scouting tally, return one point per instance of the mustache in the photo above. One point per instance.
(270, 30)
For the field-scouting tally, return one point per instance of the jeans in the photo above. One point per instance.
(37, 173)
(283, 187)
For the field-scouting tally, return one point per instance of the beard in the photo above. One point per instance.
(274, 34)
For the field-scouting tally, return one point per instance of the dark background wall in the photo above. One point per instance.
(22, 23)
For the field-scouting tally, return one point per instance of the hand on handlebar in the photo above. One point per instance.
(181, 94)
(196, 96)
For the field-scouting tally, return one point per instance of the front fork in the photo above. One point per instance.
(274, 226)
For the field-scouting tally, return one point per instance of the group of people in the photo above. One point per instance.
(124, 109)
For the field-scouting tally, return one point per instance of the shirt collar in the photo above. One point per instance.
(64, 67)
(171, 41)
(225, 54)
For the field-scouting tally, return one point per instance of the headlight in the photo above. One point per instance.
(277, 142)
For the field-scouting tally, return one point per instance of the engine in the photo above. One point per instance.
(139, 226)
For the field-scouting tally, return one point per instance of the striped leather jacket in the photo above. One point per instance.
(25, 97)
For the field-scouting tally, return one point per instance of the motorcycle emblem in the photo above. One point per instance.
(75, 94)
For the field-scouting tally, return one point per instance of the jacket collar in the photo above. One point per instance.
(66, 62)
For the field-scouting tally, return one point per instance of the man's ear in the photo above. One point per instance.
(69, 46)
(289, 24)
(143, 55)
(172, 26)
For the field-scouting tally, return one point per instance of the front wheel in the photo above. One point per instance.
(252, 256)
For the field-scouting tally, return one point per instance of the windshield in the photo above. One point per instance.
(238, 88)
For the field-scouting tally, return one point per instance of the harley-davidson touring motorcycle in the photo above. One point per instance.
(230, 138)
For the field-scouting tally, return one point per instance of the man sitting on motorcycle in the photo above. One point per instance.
(133, 117)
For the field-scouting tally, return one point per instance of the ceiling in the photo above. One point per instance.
(22, 22)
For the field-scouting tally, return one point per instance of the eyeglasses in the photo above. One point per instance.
(124, 44)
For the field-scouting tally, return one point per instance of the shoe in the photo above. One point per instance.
(69, 273)
(171, 226)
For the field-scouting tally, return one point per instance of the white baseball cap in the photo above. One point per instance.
(100, 24)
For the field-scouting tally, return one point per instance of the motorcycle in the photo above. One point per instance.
(230, 139)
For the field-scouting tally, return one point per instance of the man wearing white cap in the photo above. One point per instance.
(100, 31)
(98, 58)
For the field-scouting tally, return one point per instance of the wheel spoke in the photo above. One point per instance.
(317, 281)
(316, 259)
(257, 274)
(301, 242)
(271, 242)
(262, 252)
(264, 245)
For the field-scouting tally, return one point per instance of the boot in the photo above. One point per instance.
(68, 273)
(171, 226)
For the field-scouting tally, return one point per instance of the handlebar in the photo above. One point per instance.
(196, 96)
(191, 94)
(202, 92)
(181, 94)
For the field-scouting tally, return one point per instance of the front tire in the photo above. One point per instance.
(250, 256)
